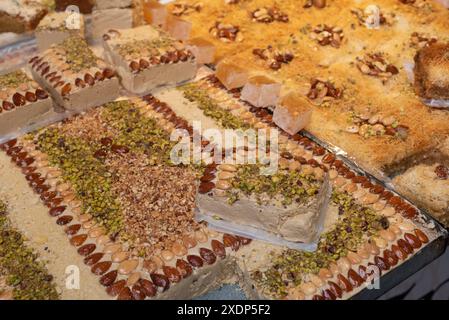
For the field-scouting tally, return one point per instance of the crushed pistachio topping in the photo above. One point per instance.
(290, 186)
(137, 49)
(13, 79)
(211, 108)
(140, 134)
(20, 265)
(355, 223)
(89, 176)
(78, 54)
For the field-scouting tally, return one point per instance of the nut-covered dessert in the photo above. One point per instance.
(19, 16)
(147, 58)
(74, 76)
(55, 27)
(22, 102)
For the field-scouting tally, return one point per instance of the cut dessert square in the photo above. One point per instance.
(147, 58)
(202, 49)
(261, 91)
(22, 101)
(178, 28)
(231, 75)
(74, 76)
(292, 114)
(55, 27)
(288, 204)
(84, 6)
(19, 16)
(432, 72)
(155, 13)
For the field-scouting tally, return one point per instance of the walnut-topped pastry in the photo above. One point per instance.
(75, 77)
(147, 58)
(22, 101)
(432, 72)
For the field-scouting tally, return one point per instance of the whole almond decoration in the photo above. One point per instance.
(208, 255)
(99, 76)
(108, 278)
(45, 70)
(78, 239)
(54, 212)
(160, 280)
(50, 75)
(421, 236)
(329, 295)
(137, 292)
(108, 73)
(148, 288)
(381, 263)
(41, 94)
(114, 289)
(125, 294)
(184, 268)
(231, 241)
(218, 248)
(7, 106)
(390, 257)
(73, 229)
(87, 249)
(134, 66)
(93, 258)
(89, 79)
(55, 79)
(195, 261)
(58, 84)
(101, 267)
(412, 240)
(64, 220)
(244, 241)
(143, 64)
(354, 278)
(18, 99)
(345, 284)
(172, 274)
(30, 97)
(65, 90)
(335, 289)
(80, 83)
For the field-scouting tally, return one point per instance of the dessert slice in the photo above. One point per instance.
(55, 27)
(231, 75)
(22, 101)
(74, 76)
(288, 203)
(261, 91)
(202, 49)
(20, 15)
(147, 58)
(292, 114)
(432, 72)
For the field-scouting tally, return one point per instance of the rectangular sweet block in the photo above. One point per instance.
(202, 49)
(22, 100)
(74, 76)
(292, 114)
(55, 27)
(155, 13)
(261, 91)
(231, 75)
(147, 58)
(432, 72)
(19, 16)
(85, 6)
(237, 199)
(107, 19)
(108, 4)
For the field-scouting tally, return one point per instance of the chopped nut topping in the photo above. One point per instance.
(321, 90)
(369, 125)
(268, 15)
(274, 57)
(420, 40)
(327, 35)
(78, 54)
(183, 8)
(226, 32)
(13, 79)
(375, 64)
